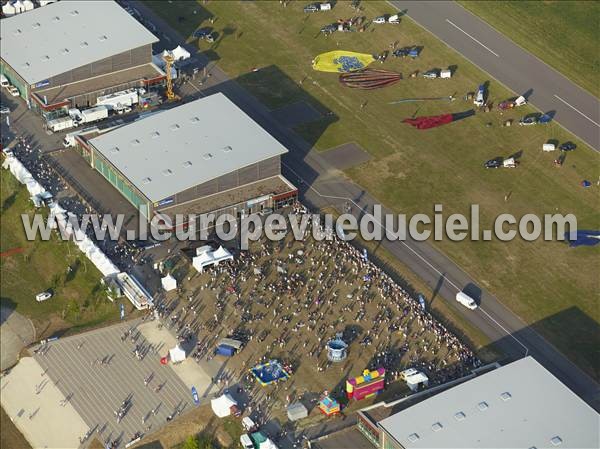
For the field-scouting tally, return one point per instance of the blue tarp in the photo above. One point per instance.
(582, 238)
(225, 350)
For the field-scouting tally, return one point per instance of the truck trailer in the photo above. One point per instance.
(60, 124)
(94, 114)
(120, 99)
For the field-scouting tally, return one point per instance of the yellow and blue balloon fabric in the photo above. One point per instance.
(341, 61)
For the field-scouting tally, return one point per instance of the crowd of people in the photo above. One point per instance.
(287, 299)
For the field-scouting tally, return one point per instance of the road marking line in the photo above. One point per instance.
(506, 330)
(484, 46)
(578, 111)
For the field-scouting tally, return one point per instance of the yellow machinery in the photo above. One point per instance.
(171, 96)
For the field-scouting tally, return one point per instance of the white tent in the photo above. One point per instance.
(9, 10)
(180, 53)
(19, 6)
(168, 283)
(221, 255)
(268, 444)
(297, 411)
(208, 257)
(177, 354)
(83, 242)
(159, 62)
(28, 5)
(222, 405)
(415, 380)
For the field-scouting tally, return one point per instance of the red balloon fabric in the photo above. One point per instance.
(427, 122)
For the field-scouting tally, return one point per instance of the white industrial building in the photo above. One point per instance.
(68, 53)
(203, 156)
(519, 405)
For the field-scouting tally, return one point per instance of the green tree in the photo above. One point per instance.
(191, 443)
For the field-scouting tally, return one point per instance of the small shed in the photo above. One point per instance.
(168, 283)
(296, 411)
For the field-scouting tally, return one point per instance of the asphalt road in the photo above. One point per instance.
(322, 185)
(575, 109)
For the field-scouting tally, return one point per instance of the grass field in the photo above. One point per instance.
(411, 170)
(78, 299)
(563, 34)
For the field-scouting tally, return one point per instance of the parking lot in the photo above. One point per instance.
(97, 371)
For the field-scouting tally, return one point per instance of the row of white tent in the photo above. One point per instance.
(19, 6)
(205, 257)
(178, 53)
(83, 242)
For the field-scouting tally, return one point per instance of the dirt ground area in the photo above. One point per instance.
(37, 407)
(286, 299)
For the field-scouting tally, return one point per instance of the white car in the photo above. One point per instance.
(13, 91)
(380, 19)
(4, 110)
(466, 300)
(246, 442)
(43, 296)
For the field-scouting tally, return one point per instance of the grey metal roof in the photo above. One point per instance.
(62, 36)
(188, 145)
(520, 405)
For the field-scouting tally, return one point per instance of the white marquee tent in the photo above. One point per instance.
(176, 354)
(168, 283)
(222, 405)
(208, 257)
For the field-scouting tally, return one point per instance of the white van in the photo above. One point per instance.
(246, 442)
(4, 81)
(249, 425)
(43, 296)
(466, 300)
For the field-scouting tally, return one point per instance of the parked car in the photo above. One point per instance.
(528, 120)
(567, 146)
(313, 7)
(4, 110)
(13, 91)
(494, 163)
(202, 33)
(479, 99)
(211, 37)
(431, 74)
(380, 19)
(43, 296)
(328, 29)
